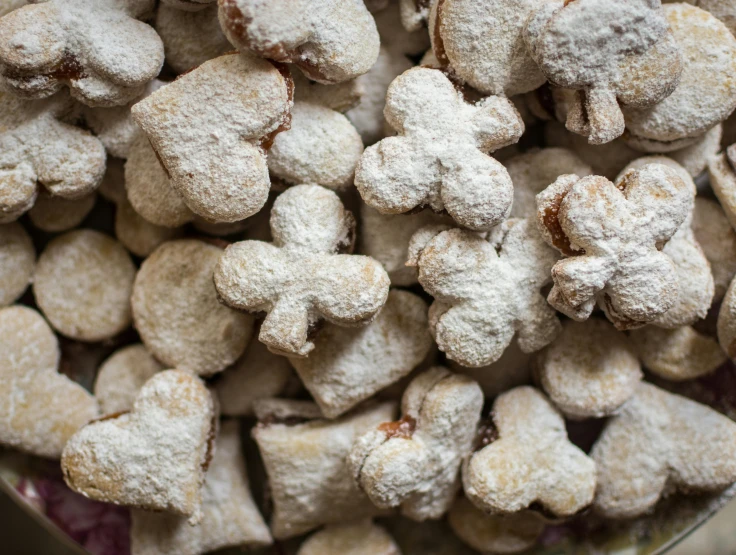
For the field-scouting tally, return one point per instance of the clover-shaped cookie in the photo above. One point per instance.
(95, 47)
(349, 365)
(37, 149)
(696, 284)
(211, 129)
(40, 409)
(482, 42)
(528, 459)
(611, 52)
(230, 516)
(304, 457)
(329, 40)
(660, 441)
(414, 462)
(153, 457)
(300, 277)
(612, 236)
(590, 370)
(439, 159)
(486, 294)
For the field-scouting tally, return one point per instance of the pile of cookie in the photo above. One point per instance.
(544, 207)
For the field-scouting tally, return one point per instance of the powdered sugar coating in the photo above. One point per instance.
(386, 237)
(356, 538)
(438, 160)
(331, 41)
(513, 533)
(121, 377)
(718, 240)
(149, 189)
(414, 463)
(17, 262)
(210, 129)
(82, 284)
(257, 374)
(677, 354)
(610, 51)
(611, 235)
(177, 312)
(727, 322)
(483, 43)
(190, 37)
(707, 91)
(533, 171)
(321, 147)
(299, 278)
(230, 517)
(137, 234)
(95, 47)
(531, 461)
(153, 457)
(36, 149)
(40, 409)
(56, 214)
(339, 97)
(309, 479)
(349, 365)
(484, 295)
(414, 13)
(693, 269)
(114, 126)
(661, 440)
(589, 371)
(723, 181)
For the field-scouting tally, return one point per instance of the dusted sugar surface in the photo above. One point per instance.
(17, 262)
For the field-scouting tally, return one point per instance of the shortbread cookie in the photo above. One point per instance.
(533, 171)
(482, 43)
(301, 278)
(677, 354)
(439, 159)
(311, 487)
(356, 538)
(694, 276)
(414, 463)
(547, 468)
(589, 371)
(723, 181)
(331, 41)
(632, 58)
(177, 312)
(82, 284)
(97, 48)
(659, 441)
(725, 10)
(230, 517)
(37, 149)
(137, 234)
(153, 457)
(513, 533)
(386, 238)
(321, 147)
(121, 377)
(727, 321)
(258, 374)
(17, 262)
(40, 409)
(349, 365)
(484, 293)
(707, 91)
(190, 37)
(718, 241)
(211, 129)
(611, 236)
(56, 214)
(7, 6)
(149, 188)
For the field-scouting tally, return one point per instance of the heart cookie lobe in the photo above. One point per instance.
(153, 457)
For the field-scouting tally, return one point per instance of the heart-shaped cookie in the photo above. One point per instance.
(40, 409)
(154, 457)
